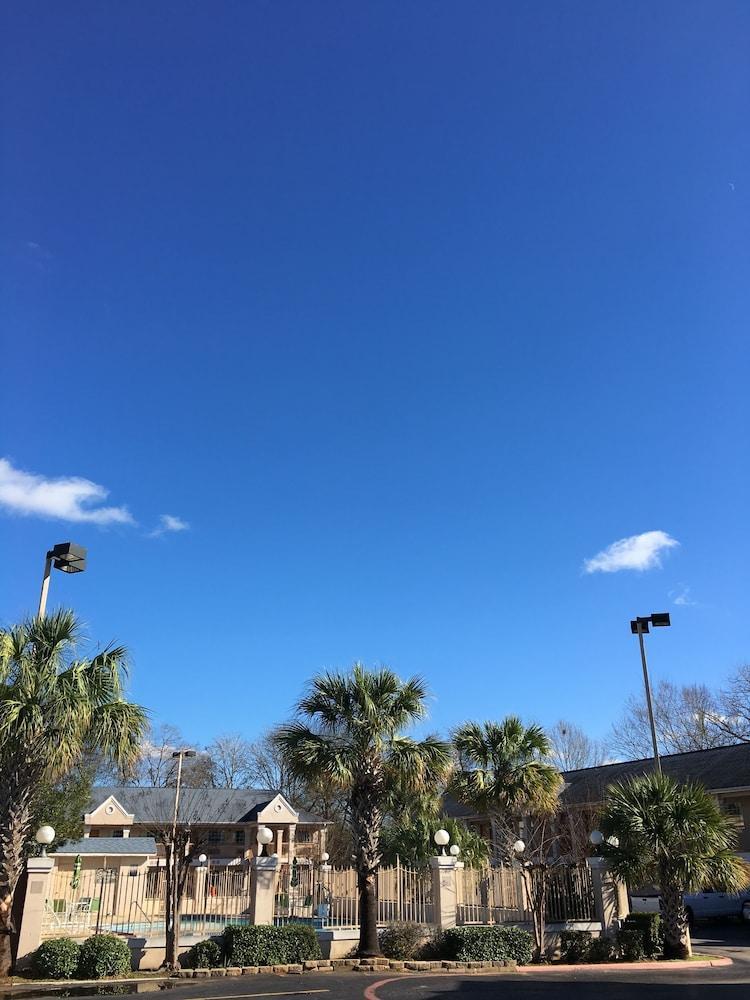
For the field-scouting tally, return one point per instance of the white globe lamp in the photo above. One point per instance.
(442, 838)
(596, 838)
(519, 847)
(264, 838)
(454, 850)
(44, 836)
(325, 857)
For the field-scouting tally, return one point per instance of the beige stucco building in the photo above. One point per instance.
(223, 823)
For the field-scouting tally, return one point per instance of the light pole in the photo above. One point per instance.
(639, 627)
(174, 921)
(66, 557)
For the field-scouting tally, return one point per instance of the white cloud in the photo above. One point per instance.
(681, 597)
(168, 522)
(68, 498)
(638, 552)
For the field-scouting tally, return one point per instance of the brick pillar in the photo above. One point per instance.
(444, 899)
(262, 889)
(610, 896)
(37, 892)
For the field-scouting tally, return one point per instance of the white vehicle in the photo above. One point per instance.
(700, 905)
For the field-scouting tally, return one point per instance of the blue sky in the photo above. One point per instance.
(406, 310)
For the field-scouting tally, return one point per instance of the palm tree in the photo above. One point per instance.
(54, 709)
(348, 735)
(503, 771)
(674, 836)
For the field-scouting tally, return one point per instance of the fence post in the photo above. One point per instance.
(263, 889)
(444, 897)
(39, 872)
(610, 896)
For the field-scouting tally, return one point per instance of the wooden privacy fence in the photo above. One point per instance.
(497, 895)
(132, 901)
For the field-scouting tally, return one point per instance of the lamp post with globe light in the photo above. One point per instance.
(442, 838)
(264, 837)
(44, 837)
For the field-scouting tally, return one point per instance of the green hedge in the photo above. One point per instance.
(630, 944)
(649, 924)
(205, 955)
(488, 944)
(103, 955)
(56, 959)
(575, 947)
(401, 940)
(265, 945)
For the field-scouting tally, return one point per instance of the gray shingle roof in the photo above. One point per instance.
(212, 806)
(718, 768)
(109, 845)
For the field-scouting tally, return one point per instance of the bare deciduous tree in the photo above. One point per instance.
(685, 717)
(733, 704)
(232, 761)
(572, 748)
(155, 766)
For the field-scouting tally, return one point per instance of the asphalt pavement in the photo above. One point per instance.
(723, 983)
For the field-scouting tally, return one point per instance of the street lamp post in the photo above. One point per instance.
(174, 921)
(639, 627)
(66, 557)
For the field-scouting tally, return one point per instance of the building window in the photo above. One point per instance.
(239, 837)
(304, 836)
(93, 833)
(116, 833)
(214, 836)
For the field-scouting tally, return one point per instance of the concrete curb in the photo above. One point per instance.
(664, 965)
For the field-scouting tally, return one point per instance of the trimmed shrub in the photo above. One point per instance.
(103, 955)
(205, 955)
(575, 947)
(401, 940)
(56, 959)
(630, 944)
(649, 924)
(488, 944)
(265, 945)
(602, 949)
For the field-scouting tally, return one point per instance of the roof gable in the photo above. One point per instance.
(278, 810)
(109, 812)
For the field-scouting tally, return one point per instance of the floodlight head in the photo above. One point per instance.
(639, 625)
(184, 753)
(68, 558)
(660, 619)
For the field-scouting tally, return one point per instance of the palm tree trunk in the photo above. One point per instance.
(6, 952)
(369, 946)
(15, 822)
(676, 929)
(366, 820)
